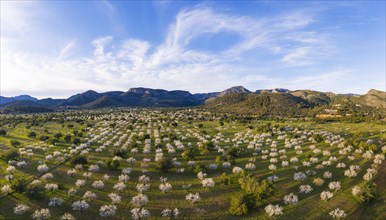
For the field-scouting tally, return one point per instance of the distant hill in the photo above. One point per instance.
(278, 101)
(23, 106)
(374, 98)
(4, 100)
(275, 104)
(313, 97)
(276, 90)
(235, 89)
(80, 99)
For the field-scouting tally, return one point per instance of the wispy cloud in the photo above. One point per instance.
(113, 15)
(67, 51)
(175, 64)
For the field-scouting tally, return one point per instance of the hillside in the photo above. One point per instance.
(237, 99)
(273, 104)
(314, 97)
(374, 98)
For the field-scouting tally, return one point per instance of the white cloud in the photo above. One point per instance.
(173, 64)
(298, 56)
(67, 50)
(323, 81)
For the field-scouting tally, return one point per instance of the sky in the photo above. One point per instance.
(60, 48)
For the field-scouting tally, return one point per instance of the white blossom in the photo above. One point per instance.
(165, 187)
(305, 189)
(67, 216)
(326, 195)
(6, 189)
(300, 176)
(107, 210)
(115, 198)
(272, 210)
(120, 186)
(55, 201)
(43, 168)
(41, 214)
(337, 213)
(334, 185)
(193, 197)
(208, 183)
(20, 209)
(291, 199)
(98, 184)
(88, 195)
(139, 200)
(140, 213)
(80, 205)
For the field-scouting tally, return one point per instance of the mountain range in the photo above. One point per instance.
(232, 97)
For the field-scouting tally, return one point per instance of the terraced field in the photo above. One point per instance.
(188, 164)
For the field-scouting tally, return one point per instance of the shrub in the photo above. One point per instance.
(250, 185)
(43, 138)
(206, 147)
(79, 159)
(3, 132)
(188, 154)
(242, 203)
(225, 179)
(76, 141)
(365, 191)
(19, 185)
(200, 168)
(234, 151)
(113, 164)
(120, 152)
(58, 135)
(11, 155)
(15, 143)
(164, 165)
(32, 134)
(67, 138)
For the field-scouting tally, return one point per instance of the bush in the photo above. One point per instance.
(206, 147)
(32, 134)
(54, 140)
(79, 159)
(15, 143)
(113, 164)
(3, 132)
(67, 138)
(11, 155)
(234, 151)
(188, 154)
(35, 190)
(76, 141)
(164, 165)
(120, 152)
(43, 138)
(200, 168)
(261, 190)
(58, 135)
(225, 180)
(367, 191)
(19, 184)
(242, 203)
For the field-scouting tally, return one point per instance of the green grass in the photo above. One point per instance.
(215, 202)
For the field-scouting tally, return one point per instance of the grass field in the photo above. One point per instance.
(142, 129)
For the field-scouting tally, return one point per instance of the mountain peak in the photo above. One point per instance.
(374, 91)
(234, 89)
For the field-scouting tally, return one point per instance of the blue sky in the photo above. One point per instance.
(58, 48)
